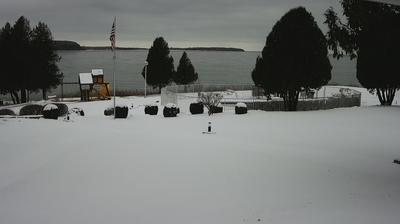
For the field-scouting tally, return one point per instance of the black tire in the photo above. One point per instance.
(196, 108)
(31, 109)
(7, 112)
(121, 112)
(151, 110)
(170, 111)
(240, 110)
(216, 109)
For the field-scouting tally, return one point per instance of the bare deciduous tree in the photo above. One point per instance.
(210, 100)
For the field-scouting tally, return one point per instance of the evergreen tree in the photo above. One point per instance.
(21, 55)
(371, 34)
(160, 68)
(9, 83)
(47, 74)
(185, 73)
(28, 60)
(294, 59)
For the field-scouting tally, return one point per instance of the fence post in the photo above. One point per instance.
(62, 89)
(254, 102)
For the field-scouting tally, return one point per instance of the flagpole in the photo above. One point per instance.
(114, 49)
(115, 86)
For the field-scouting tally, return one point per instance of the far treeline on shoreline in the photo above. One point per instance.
(63, 45)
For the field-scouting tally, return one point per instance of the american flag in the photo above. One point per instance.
(112, 36)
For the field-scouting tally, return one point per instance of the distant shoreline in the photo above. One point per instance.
(71, 45)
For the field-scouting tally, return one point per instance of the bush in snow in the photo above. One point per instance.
(121, 111)
(215, 109)
(50, 111)
(62, 109)
(151, 109)
(241, 108)
(196, 108)
(31, 109)
(109, 111)
(7, 112)
(77, 111)
(170, 110)
(210, 101)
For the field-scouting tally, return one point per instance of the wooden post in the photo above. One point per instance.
(62, 90)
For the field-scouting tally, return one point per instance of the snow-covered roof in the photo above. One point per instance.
(118, 104)
(50, 107)
(121, 105)
(85, 78)
(241, 105)
(151, 105)
(97, 72)
(170, 105)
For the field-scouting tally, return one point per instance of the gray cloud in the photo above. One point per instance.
(236, 23)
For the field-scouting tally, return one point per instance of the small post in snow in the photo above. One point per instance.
(209, 131)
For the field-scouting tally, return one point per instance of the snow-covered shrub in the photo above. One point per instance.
(196, 108)
(241, 108)
(62, 109)
(77, 111)
(50, 111)
(210, 101)
(170, 110)
(7, 112)
(151, 109)
(215, 109)
(109, 111)
(121, 111)
(31, 109)
(171, 105)
(241, 105)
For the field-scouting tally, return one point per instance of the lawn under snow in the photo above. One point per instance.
(331, 166)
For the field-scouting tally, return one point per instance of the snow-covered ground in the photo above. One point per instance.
(331, 166)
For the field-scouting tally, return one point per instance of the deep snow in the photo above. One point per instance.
(331, 166)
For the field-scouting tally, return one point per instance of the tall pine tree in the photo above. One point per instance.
(28, 60)
(185, 73)
(8, 81)
(160, 68)
(47, 74)
(294, 59)
(21, 55)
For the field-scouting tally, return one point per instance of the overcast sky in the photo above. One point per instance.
(183, 23)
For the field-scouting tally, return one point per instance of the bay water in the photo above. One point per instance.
(213, 67)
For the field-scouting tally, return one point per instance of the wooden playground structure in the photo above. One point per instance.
(93, 85)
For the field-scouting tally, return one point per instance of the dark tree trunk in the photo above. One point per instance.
(159, 89)
(12, 98)
(15, 94)
(44, 94)
(23, 95)
(386, 95)
(290, 100)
